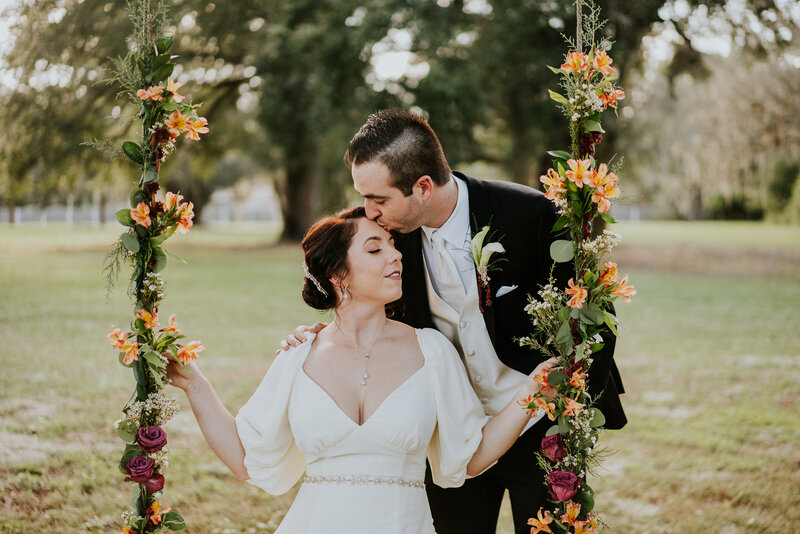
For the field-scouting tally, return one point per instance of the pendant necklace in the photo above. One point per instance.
(365, 353)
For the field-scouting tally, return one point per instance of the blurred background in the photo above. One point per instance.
(710, 219)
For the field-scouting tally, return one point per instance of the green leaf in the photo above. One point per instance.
(563, 314)
(163, 45)
(560, 223)
(554, 70)
(133, 151)
(556, 377)
(563, 425)
(608, 218)
(585, 498)
(122, 360)
(160, 258)
(558, 98)
(159, 60)
(164, 71)
(124, 217)
(141, 379)
(150, 175)
(598, 419)
(596, 347)
(592, 126)
(552, 431)
(131, 450)
(564, 336)
(127, 437)
(156, 375)
(592, 313)
(173, 521)
(153, 359)
(170, 107)
(560, 154)
(611, 321)
(130, 241)
(579, 351)
(143, 70)
(562, 250)
(138, 196)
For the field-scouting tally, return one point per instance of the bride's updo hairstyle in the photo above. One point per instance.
(325, 246)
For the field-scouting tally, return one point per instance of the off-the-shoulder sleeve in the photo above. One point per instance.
(273, 461)
(459, 414)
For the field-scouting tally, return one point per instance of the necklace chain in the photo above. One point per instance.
(364, 375)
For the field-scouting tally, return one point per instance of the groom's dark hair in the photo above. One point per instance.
(405, 143)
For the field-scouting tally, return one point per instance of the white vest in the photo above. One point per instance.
(495, 383)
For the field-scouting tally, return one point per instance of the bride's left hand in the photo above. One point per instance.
(543, 368)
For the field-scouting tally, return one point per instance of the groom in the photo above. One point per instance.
(398, 166)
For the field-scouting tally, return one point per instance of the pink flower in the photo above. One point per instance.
(563, 485)
(553, 447)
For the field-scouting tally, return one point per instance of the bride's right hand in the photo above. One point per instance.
(297, 337)
(182, 377)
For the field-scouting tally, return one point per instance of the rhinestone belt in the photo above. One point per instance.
(364, 480)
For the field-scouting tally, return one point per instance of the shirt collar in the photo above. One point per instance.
(456, 227)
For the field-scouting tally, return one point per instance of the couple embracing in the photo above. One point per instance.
(402, 413)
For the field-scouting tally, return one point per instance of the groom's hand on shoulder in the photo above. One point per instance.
(298, 337)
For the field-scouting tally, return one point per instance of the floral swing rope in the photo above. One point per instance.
(145, 74)
(568, 322)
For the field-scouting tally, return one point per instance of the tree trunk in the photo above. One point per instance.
(301, 205)
(12, 205)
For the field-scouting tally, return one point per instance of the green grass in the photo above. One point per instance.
(710, 361)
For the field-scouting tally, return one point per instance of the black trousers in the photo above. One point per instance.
(474, 507)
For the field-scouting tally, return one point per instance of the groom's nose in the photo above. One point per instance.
(371, 209)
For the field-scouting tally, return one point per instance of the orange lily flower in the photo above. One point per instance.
(573, 407)
(131, 349)
(150, 320)
(601, 177)
(548, 407)
(173, 200)
(126, 530)
(141, 214)
(195, 128)
(602, 62)
(578, 172)
(173, 87)
(189, 352)
(186, 221)
(624, 291)
(585, 527)
(610, 99)
(151, 93)
(554, 183)
(599, 197)
(117, 338)
(158, 512)
(176, 123)
(540, 523)
(609, 275)
(576, 62)
(578, 293)
(172, 327)
(573, 509)
(578, 380)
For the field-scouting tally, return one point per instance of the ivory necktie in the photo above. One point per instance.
(448, 279)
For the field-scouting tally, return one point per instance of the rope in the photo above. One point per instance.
(578, 14)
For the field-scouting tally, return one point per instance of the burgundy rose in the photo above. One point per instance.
(140, 469)
(553, 447)
(563, 484)
(151, 438)
(155, 483)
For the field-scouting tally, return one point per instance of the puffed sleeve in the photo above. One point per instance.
(272, 459)
(459, 414)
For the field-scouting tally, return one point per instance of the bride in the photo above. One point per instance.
(359, 406)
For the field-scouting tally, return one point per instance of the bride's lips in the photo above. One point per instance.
(394, 275)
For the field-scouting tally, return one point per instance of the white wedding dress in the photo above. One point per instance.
(361, 478)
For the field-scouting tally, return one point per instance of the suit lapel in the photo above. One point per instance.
(480, 214)
(414, 309)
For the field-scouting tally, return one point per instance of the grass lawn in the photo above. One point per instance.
(709, 354)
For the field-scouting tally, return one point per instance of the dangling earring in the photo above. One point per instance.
(346, 295)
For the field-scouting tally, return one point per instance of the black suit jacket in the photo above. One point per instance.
(521, 218)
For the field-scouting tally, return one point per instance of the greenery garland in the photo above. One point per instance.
(568, 322)
(145, 75)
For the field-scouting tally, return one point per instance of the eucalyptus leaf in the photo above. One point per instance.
(127, 437)
(553, 430)
(564, 336)
(137, 196)
(130, 242)
(150, 176)
(563, 314)
(598, 419)
(562, 250)
(563, 425)
(160, 258)
(592, 314)
(124, 217)
(173, 521)
(556, 377)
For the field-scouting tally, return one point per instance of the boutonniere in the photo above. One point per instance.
(486, 260)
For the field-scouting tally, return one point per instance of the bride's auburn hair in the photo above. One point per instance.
(325, 246)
